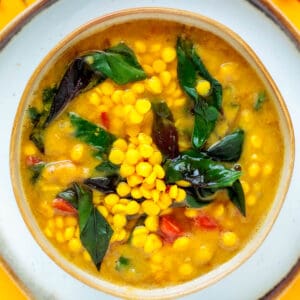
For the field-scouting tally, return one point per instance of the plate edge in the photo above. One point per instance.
(13, 27)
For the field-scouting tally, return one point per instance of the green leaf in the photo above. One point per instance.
(104, 184)
(215, 84)
(229, 148)
(192, 202)
(95, 232)
(34, 115)
(190, 66)
(237, 197)
(122, 263)
(36, 171)
(107, 168)
(205, 120)
(69, 195)
(186, 68)
(118, 63)
(91, 133)
(200, 171)
(261, 98)
(37, 133)
(164, 132)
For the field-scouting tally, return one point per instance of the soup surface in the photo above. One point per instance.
(150, 153)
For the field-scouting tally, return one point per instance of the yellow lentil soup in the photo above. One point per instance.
(147, 153)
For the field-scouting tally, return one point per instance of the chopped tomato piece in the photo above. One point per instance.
(206, 222)
(64, 206)
(170, 228)
(32, 160)
(105, 119)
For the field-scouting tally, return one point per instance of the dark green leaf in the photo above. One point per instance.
(164, 132)
(206, 112)
(215, 85)
(205, 120)
(122, 263)
(37, 137)
(36, 170)
(37, 133)
(237, 197)
(69, 195)
(91, 133)
(261, 98)
(192, 202)
(117, 63)
(200, 171)
(229, 148)
(95, 232)
(34, 115)
(104, 184)
(48, 96)
(107, 168)
(186, 68)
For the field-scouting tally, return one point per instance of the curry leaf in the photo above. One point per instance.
(237, 197)
(185, 68)
(104, 184)
(205, 120)
(36, 170)
(164, 132)
(37, 133)
(118, 63)
(91, 133)
(261, 98)
(107, 168)
(69, 195)
(95, 231)
(34, 115)
(229, 148)
(192, 202)
(215, 84)
(200, 171)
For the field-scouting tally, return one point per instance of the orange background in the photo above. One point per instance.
(9, 289)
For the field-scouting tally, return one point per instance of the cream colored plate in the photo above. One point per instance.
(22, 54)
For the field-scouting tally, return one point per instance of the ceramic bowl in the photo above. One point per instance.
(284, 119)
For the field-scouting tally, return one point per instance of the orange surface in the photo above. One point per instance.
(8, 10)
(8, 288)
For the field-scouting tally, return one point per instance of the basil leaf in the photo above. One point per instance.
(107, 168)
(205, 120)
(91, 133)
(118, 63)
(229, 148)
(164, 132)
(103, 184)
(237, 197)
(261, 98)
(95, 232)
(69, 195)
(200, 171)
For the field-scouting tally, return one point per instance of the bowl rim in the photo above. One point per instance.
(84, 276)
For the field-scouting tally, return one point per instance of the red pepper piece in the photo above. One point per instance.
(206, 222)
(64, 206)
